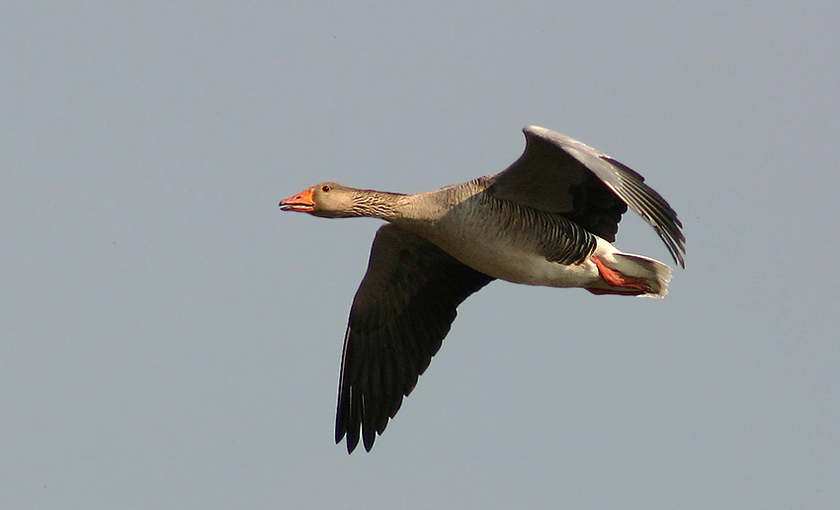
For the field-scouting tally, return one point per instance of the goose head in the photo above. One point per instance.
(327, 199)
(331, 200)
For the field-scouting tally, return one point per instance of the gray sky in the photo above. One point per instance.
(170, 339)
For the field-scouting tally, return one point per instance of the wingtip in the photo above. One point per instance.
(351, 444)
(533, 129)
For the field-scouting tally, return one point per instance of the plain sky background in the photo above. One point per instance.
(171, 339)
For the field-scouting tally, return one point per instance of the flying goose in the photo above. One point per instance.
(548, 219)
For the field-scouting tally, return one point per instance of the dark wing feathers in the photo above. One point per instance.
(403, 309)
(561, 175)
(650, 205)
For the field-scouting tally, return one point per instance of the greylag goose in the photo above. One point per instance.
(548, 219)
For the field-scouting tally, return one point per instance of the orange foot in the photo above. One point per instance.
(630, 285)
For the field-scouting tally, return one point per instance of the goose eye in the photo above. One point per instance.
(325, 188)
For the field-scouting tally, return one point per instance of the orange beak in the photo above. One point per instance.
(302, 202)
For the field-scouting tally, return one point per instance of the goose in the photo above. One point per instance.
(549, 219)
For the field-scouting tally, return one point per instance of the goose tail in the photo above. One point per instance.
(630, 275)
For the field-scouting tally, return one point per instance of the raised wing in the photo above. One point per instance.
(403, 309)
(561, 175)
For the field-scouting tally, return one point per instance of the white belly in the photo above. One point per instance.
(514, 265)
(500, 257)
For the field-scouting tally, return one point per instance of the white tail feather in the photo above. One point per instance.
(654, 272)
